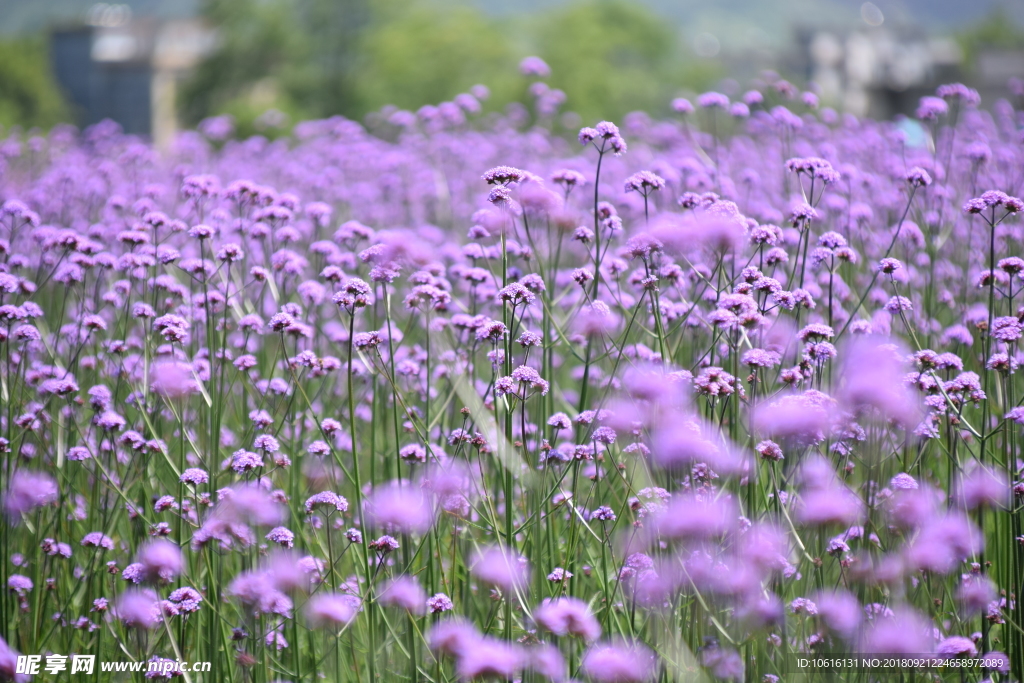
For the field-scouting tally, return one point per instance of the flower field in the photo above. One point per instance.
(455, 396)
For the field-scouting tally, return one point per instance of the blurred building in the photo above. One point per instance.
(113, 65)
(880, 72)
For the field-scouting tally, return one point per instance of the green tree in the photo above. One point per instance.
(997, 31)
(293, 55)
(259, 44)
(415, 53)
(613, 56)
(324, 57)
(29, 96)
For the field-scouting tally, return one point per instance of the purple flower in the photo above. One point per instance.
(266, 443)
(28, 490)
(958, 91)
(248, 504)
(560, 421)
(403, 592)
(97, 540)
(438, 603)
(982, 487)
(690, 517)
(955, 647)
(246, 461)
(872, 374)
(931, 108)
(384, 544)
(534, 66)
(828, 502)
(942, 543)
(840, 612)
(587, 135)
(975, 594)
(413, 453)
(258, 592)
(331, 610)
(568, 178)
(608, 133)
(398, 507)
(997, 661)
(281, 536)
(801, 419)
(161, 561)
(489, 658)
(165, 503)
(501, 197)
(903, 632)
(110, 421)
(186, 599)
(491, 331)
(903, 482)
(530, 339)
(326, 499)
(769, 450)
(133, 573)
(201, 232)
(918, 177)
(498, 566)
(567, 616)
(195, 476)
(452, 637)
(1007, 329)
(713, 100)
(19, 584)
(320, 448)
(724, 664)
(759, 358)
(681, 105)
(139, 609)
(521, 378)
(279, 322)
(516, 294)
(9, 664)
(618, 663)
(644, 182)
(503, 175)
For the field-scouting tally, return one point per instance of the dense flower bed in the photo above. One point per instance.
(456, 397)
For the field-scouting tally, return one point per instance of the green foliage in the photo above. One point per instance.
(315, 58)
(997, 31)
(321, 57)
(420, 53)
(29, 96)
(612, 56)
(257, 65)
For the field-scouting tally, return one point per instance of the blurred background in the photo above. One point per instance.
(156, 66)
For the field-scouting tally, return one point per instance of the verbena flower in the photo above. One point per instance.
(618, 663)
(326, 500)
(439, 603)
(331, 610)
(567, 617)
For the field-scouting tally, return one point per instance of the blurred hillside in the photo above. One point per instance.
(321, 57)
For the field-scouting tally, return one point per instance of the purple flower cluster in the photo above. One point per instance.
(476, 402)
